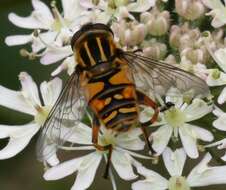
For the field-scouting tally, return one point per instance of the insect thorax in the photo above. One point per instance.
(94, 48)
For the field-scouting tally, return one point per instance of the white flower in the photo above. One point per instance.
(174, 123)
(157, 22)
(220, 124)
(201, 175)
(52, 30)
(86, 166)
(189, 9)
(217, 77)
(118, 8)
(218, 12)
(27, 101)
(198, 69)
(128, 34)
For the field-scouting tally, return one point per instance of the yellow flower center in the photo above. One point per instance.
(178, 183)
(117, 3)
(108, 138)
(216, 74)
(42, 114)
(175, 117)
(95, 2)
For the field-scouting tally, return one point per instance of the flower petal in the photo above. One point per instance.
(218, 12)
(53, 55)
(43, 9)
(188, 139)
(212, 81)
(29, 89)
(220, 123)
(122, 163)
(153, 180)
(189, 135)
(174, 161)
(141, 5)
(203, 175)
(87, 171)
(68, 64)
(174, 96)
(220, 55)
(197, 109)
(224, 157)
(29, 22)
(213, 4)
(80, 134)
(52, 159)
(19, 136)
(15, 100)
(51, 90)
(217, 111)
(222, 97)
(18, 40)
(64, 169)
(72, 9)
(161, 138)
(201, 133)
(131, 140)
(43, 38)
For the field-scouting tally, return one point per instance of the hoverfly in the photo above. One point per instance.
(105, 82)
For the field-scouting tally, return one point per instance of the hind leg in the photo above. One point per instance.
(145, 100)
(95, 133)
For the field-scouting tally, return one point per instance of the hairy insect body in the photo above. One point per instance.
(104, 77)
(108, 84)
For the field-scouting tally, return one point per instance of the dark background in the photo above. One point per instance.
(24, 172)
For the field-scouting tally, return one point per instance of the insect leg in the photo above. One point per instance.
(95, 132)
(145, 100)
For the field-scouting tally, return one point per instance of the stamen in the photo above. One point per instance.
(29, 55)
(135, 154)
(77, 148)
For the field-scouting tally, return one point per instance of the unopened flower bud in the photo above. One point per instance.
(154, 49)
(189, 9)
(145, 17)
(183, 37)
(193, 55)
(157, 22)
(138, 34)
(129, 33)
(170, 59)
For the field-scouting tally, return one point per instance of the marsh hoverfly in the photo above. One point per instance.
(105, 82)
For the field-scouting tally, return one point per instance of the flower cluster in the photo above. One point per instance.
(189, 34)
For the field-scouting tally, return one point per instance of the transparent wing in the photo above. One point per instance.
(65, 114)
(160, 76)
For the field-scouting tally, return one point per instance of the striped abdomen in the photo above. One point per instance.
(112, 96)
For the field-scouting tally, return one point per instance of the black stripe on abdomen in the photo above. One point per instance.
(119, 114)
(122, 121)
